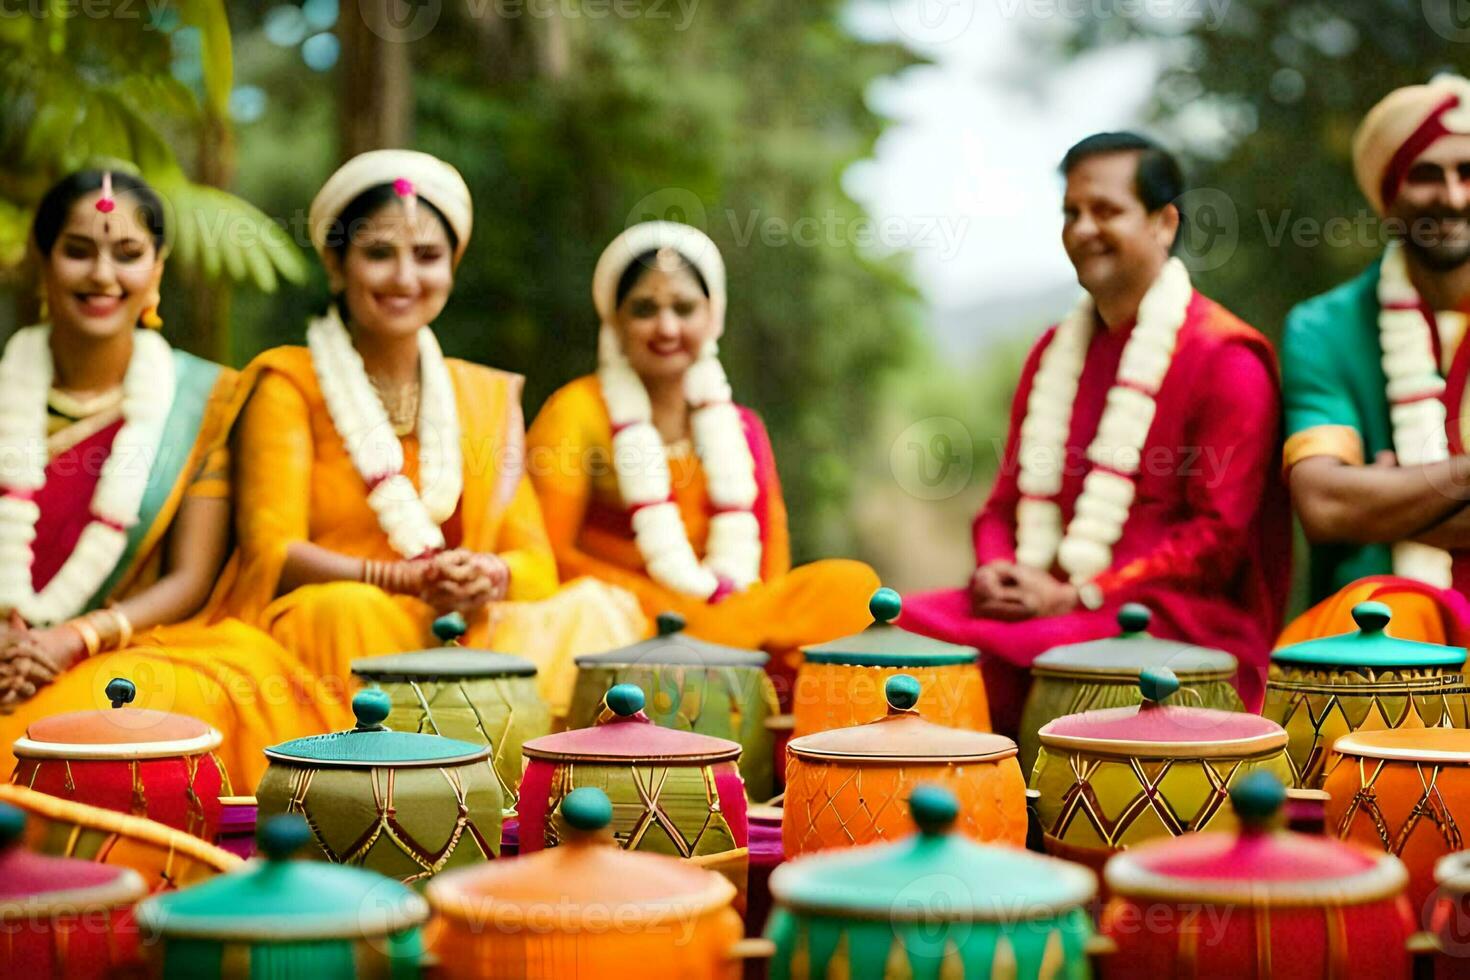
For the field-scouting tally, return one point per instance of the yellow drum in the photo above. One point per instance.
(1324, 689)
(1112, 778)
(850, 786)
(840, 684)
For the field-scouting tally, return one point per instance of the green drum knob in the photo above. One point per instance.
(1157, 683)
(587, 809)
(885, 605)
(371, 708)
(12, 824)
(1257, 799)
(669, 623)
(902, 692)
(283, 835)
(934, 809)
(625, 700)
(450, 627)
(1372, 617)
(121, 691)
(1134, 617)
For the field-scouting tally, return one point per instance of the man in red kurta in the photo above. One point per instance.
(1173, 498)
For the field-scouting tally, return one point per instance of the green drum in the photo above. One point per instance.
(287, 920)
(1366, 680)
(1079, 677)
(691, 686)
(475, 696)
(932, 905)
(402, 804)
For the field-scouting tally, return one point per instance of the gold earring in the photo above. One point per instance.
(151, 319)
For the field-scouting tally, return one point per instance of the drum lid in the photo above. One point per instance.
(119, 732)
(371, 744)
(441, 664)
(672, 647)
(624, 734)
(33, 885)
(902, 736)
(1369, 646)
(885, 645)
(1133, 650)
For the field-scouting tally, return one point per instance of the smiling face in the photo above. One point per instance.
(101, 273)
(1114, 242)
(395, 276)
(664, 322)
(1433, 203)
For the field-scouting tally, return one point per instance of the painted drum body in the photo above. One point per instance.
(841, 683)
(676, 793)
(286, 919)
(474, 696)
(399, 803)
(1404, 792)
(1114, 778)
(1450, 917)
(547, 915)
(850, 786)
(147, 763)
(934, 904)
(1099, 674)
(691, 686)
(1324, 689)
(60, 917)
(1256, 903)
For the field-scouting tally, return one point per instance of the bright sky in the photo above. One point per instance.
(966, 170)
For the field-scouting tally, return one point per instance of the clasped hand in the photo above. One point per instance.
(31, 659)
(462, 581)
(1009, 592)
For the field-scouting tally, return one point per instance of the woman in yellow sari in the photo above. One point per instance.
(381, 484)
(653, 479)
(115, 498)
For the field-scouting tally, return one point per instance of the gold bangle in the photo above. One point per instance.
(124, 626)
(90, 640)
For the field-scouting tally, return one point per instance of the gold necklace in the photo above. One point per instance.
(401, 404)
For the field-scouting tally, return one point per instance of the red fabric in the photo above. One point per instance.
(1421, 139)
(1207, 546)
(66, 502)
(534, 806)
(731, 790)
(160, 789)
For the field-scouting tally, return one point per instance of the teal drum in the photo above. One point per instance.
(475, 696)
(1078, 677)
(286, 920)
(692, 686)
(402, 804)
(932, 905)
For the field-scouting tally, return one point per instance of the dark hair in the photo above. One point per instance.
(364, 206)
(646, 261)
(1159, 180)
(56, 205)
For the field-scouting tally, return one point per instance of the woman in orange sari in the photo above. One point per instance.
(115, 498)
(653, 479)
(381, 484)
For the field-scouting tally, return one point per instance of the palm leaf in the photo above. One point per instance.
(216, 54)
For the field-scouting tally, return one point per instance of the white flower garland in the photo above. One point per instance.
(26, 373)
(410, 518)
(1414, 391)
(733, 549)
(1086, 550)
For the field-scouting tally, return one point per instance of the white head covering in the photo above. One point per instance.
(427, 177)
(650, 236)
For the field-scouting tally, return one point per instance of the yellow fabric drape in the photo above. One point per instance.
(296, 482)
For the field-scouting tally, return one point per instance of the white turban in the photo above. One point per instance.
(688, 241)
(427, 177)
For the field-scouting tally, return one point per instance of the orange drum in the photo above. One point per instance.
(1404, 791)
(850, 786)
(840, 684)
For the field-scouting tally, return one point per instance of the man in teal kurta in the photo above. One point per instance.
(1375, 377)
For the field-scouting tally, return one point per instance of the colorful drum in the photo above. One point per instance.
(1406, 792)
(148, 763)
(934, 904)
(850, 786)
(1259, 903)
(1113, 778)
(1450, 919)
(287, 920)
(586, 910)
(165, 858)
(1367, 680)
(1081, 677)
(402, 804)
(62, 918)
(692, 686)
(840, 684)
(673, 792)
(474, 696)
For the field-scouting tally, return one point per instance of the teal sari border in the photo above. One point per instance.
(194, 381)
